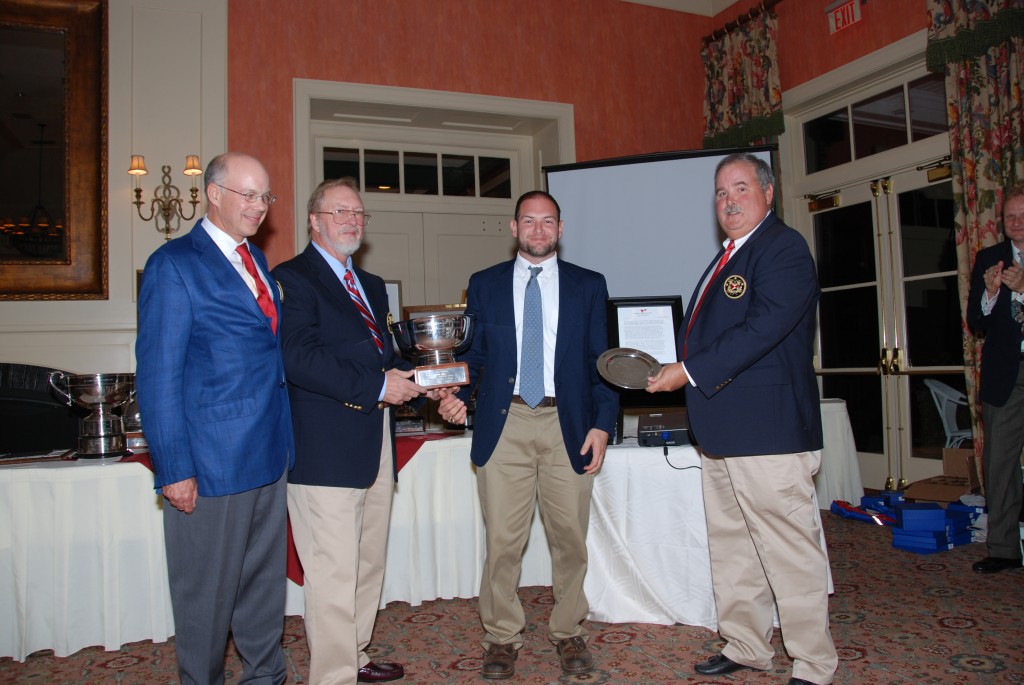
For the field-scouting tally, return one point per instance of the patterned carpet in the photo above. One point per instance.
(897, 619)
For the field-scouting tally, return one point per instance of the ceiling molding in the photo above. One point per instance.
(707, 8)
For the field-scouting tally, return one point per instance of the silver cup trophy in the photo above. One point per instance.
(102, 432)
(434, 341)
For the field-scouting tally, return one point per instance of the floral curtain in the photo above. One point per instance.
(978, 45)
(743, 98)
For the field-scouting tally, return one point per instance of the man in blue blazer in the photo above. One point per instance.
(995, 309)
(544, 447)
(214, 403)
(343, 375)
(748, 344)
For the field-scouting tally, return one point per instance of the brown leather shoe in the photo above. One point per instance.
(576, 658)
(499, 662)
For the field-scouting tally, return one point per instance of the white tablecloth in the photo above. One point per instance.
(81, 558)
(839, 475)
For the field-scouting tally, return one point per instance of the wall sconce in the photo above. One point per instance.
(167, 203)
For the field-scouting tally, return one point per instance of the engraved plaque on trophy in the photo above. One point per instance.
(434, 341)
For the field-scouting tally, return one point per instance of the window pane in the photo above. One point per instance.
(863, 395)
(341, 162)
(848, 321)
(937, 415)
(459, 172)
(381, 171)
(879, 123)
(827, 141)
(927, 106)
(844, 245)
(495, 177)
(420, 173)
(926, 230)
(933, 322)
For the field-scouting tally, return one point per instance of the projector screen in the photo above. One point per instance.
(647, 222)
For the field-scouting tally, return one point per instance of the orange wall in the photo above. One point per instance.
(632, 72)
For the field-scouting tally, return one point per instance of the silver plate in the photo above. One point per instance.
(627, 368)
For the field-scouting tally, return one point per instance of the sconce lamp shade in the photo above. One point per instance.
(192, 167)
(138, 167)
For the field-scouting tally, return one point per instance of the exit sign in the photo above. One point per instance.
(842, 14)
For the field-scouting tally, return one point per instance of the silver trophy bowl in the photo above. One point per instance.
(434, 340)
(102, 433)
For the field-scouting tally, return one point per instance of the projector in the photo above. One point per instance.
(669, 428)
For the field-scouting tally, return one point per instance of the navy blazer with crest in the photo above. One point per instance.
(584, 401)
(335, 372)
(1000, 357)
(751, 349)
(209, 376)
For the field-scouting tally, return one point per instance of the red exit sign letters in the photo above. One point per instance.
(842, 14)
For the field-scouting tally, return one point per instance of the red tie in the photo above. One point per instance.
(360, 303)
(711, 281)
(263, 298)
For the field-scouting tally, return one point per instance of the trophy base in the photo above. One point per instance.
(101, 446)
(441, 375)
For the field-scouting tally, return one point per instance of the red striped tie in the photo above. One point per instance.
(718, 270)
(360, 303)
(263, 298)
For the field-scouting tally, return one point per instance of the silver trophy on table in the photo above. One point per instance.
(102, 432)
(434, 341)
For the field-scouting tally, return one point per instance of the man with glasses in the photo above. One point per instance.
(212, 393)
(995, 310)
(343, 374)
(543, 417)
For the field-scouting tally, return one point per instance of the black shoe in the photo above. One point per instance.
(800, 681)
(719, 664)
(995, 565)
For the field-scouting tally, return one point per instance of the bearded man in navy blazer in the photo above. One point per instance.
(748, 344)
(212, 394)
(995, 309)
(547, 451)
(343, 375)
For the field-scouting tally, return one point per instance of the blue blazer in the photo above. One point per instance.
(209, 376)
(1000, 358)
(752, 352)
(584, 401)
(335, 372)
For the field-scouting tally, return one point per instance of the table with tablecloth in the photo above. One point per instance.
(82, 557)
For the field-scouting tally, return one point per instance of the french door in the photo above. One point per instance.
(890, 338)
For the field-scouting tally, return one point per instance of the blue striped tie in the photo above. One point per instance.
(531, 367)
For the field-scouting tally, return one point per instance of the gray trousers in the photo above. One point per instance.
(1004, 439)
(226, 562)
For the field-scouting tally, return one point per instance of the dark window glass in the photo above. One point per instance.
(495, 177)
(381, 171)
(420, 173)
(848, 321)
(933, 322)
(341, 162)
(863, 395)
(844, 243)
(459, 175)
(927, 106)
(938, 414)
(827, 141)
(879, 123)
(926, 229)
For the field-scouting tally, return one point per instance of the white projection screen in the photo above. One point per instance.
(646, 222)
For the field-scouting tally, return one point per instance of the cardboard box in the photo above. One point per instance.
(920, 516)
(958, 478)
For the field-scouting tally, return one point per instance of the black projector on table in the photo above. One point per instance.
(669, 428)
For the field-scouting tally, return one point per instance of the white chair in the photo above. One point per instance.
(946, 401)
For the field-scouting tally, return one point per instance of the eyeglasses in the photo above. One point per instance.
(530, 222)
(252, 195)
(343, 216)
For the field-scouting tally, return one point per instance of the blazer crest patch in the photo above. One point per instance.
(734, 287)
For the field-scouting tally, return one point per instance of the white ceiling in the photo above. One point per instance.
(708, 8)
